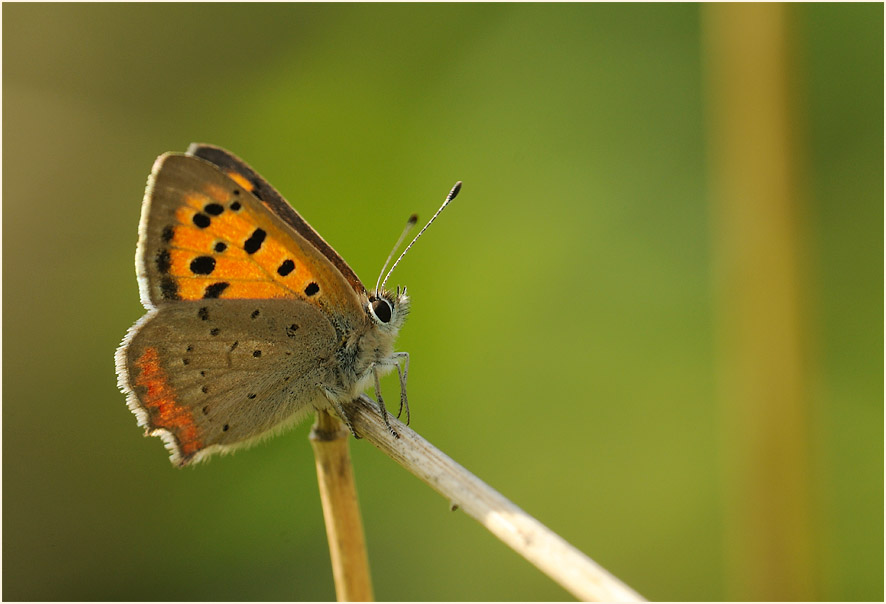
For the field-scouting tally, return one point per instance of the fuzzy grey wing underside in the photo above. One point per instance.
(240, 368)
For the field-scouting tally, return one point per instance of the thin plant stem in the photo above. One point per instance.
(338, 494)
(573, 570)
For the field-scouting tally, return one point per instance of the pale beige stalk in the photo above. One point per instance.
(562, 562)
(338, 494)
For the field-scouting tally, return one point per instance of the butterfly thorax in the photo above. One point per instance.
(368, 348)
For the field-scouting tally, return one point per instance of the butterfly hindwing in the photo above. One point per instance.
(209, 375)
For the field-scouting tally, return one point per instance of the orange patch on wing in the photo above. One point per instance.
(273, 252)
(241, 180)
(224, 268)
(195, 289)
(229, 227)
(193, 239)
(235, 228)
(278, 269)
(196, 200)
(165, 410)
(233, 253)
(217, 193)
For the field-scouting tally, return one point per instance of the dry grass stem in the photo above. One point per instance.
(338, 494)
(562, 562)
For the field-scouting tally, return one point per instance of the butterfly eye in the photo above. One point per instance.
(382, 310)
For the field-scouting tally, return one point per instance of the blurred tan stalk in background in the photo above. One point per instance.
(758, 205)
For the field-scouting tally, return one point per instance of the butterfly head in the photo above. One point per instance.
(388, 310)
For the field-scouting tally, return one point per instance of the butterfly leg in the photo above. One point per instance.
(340, 411)
(403, 374)
(381, 403)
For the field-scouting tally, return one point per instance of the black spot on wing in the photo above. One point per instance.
(169, 289)
(203, 265)
(255, 241)
(163, 261)
(215, 290)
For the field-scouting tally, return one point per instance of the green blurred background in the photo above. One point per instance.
(564, 326)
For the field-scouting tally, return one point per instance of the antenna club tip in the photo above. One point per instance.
(412, 220)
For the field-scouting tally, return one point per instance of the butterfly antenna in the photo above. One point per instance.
(446, 201)
(409, 224)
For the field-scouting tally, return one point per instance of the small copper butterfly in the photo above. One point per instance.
(253, 319)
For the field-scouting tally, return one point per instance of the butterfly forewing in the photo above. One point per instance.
(242, 173)
(205, 236)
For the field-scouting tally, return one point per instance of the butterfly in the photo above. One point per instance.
(253, 321)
